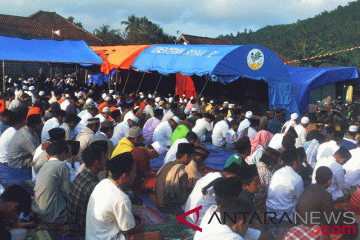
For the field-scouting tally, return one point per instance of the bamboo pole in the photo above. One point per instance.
(116, 76)
(197, 99)
(179, 85)
(140, 83)
(86, 75)
(126, 81)
(158, 84)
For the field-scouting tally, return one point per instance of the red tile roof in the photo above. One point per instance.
(285, 60)
(189, 39)
(41, 24)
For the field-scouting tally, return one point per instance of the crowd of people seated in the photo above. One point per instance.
(88, 153)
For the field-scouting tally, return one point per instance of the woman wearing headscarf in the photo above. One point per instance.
(258, 146)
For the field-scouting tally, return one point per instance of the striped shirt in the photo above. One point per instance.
(311, 149)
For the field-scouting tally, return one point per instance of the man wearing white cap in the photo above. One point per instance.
(193, 111)
(203, 128)
(301, 131)
(291, 123)
(65, 103)
(349, 141)
(171, 113)
(122, 129)
(31, 93)
(145, 180)
(244, 124)
(86, 134)
(150, 109)
(352, 168)
(130, 113)
(209, 106)
(104, 115)
(220, 131)
(164, 131)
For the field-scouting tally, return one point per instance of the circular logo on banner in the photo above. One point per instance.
(255, 59)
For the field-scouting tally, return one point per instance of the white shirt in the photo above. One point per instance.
(352, 168)
(169, 115)
(214, 228)
(83, 123)
(163, 133)
(108, 213)
(49, 124)
(276, 141)
(121, 130)
(251, 133)
(201, 127)
(327, 149)
(5, 140)
(302, 133)
(73, 170)
(219, 133)
(338, 178)
(171, 154)
(243, 125)
(102, 118)
(285, 189)
(196, 198)
(231, 138)
(128, 115)
(64, 105)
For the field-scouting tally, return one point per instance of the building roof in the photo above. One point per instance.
(285, 60)
(189, 39)
(41, 24)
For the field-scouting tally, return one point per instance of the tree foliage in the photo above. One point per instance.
(143, 31)
(327, 32)
(110, 36)
(71, 19)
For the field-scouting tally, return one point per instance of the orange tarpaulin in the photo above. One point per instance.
(118, 56)
(187, 86)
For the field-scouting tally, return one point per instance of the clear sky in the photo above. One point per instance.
(207, 18)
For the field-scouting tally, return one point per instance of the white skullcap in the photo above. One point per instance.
(150, 96)
(158, 147)
(181, 101)
(294, 116)
(184, 95)
(171, 100)
(134, 118)
(106, 110)
(111, 91)
(67, 95)
(191, 98)
(305, 120)
(176, 119)
(140, 93)
(211, 101)
(103, 95)
(107, 98)
(187, 111)
(225, 103)
(194, 110)
(249, 114)
(15, 85)
(185, 100)
(31, 88)
(158, 99)
(41, 93)
(80, 94)
(89, 101)
(202, 99)
(231, 105)
(114, 96)
(353, 128)
(230, 119)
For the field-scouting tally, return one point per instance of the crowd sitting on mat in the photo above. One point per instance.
(89, 155)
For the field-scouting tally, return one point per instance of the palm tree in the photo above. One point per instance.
(110, 36)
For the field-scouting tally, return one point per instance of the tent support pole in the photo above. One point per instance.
(158, 84)
(179, 85)
(117, 70)
(3, 67)
(140, 83)
(51, 70)
(197, 99)
(126, 80)
(86, 75)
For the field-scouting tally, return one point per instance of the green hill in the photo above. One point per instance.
(324, 33)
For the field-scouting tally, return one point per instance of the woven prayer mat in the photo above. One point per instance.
(148, 216)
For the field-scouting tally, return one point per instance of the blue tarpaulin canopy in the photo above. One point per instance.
(224, 64)
(101, 78)
(47, 51)
(306, 79)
